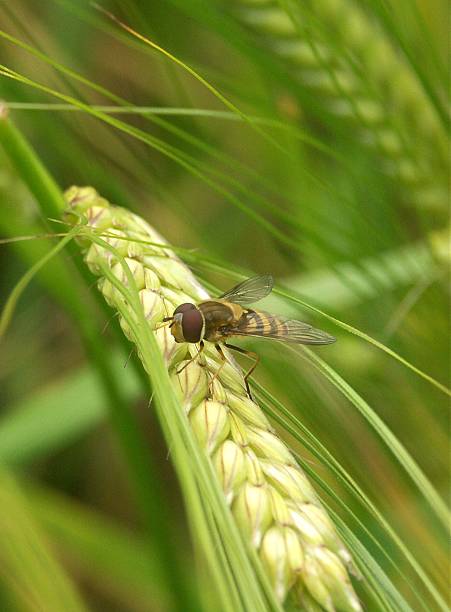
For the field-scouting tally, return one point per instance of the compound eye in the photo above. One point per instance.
(192, 325)
(183, 308)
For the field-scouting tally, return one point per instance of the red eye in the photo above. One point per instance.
(184, 308)
(192, 325)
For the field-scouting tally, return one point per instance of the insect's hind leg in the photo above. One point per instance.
(251, 355)
(218, 371)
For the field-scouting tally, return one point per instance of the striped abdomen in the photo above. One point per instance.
(262, 324)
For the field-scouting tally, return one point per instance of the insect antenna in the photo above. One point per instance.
(164, 322)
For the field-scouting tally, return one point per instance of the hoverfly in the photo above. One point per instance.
(217, 320)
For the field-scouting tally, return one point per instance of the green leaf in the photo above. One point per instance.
(27, 564)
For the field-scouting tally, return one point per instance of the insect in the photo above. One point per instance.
(217, 320)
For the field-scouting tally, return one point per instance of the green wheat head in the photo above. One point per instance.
(270, 497)
(337, 53)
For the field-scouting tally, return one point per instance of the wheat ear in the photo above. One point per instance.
(270, 497)
(342, 57)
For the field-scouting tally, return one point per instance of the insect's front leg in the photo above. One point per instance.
(196, 356)
(218, 371)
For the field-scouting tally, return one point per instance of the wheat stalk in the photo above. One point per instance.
(344, 58)
(270, 497)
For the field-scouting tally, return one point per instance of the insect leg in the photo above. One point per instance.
(251, 355)
(196, 356)
(129, 357)
(218, 371)
(167, 319)
(116, 314)
(163, 299)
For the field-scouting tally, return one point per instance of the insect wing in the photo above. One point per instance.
(250, 291)
(265, 325)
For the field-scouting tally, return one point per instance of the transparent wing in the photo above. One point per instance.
(264, 325)
(250, 290)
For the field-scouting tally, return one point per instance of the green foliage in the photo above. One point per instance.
(251, 148)
(29, 569)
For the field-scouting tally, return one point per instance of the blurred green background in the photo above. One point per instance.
(333, 177)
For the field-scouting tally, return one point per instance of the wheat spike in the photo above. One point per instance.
(270, 497)
(342, 56)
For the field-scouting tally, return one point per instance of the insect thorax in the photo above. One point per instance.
(218, 314)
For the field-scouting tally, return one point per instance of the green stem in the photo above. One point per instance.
(31, 169)
(142, 471)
